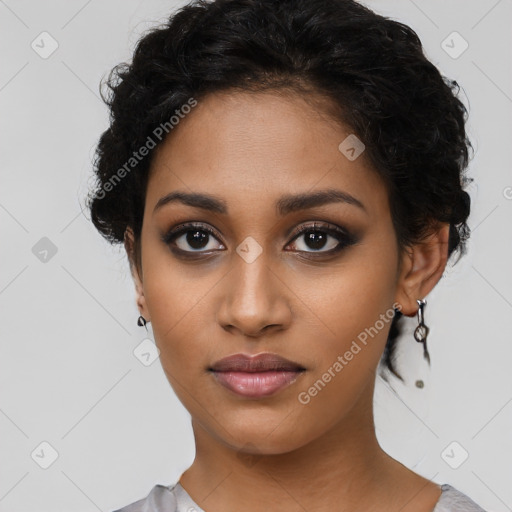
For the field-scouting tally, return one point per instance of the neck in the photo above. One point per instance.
(345, 469)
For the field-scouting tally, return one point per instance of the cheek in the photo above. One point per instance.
(169, 289)
(357, 315)
(174, 300)
(353, 307)
(353, 294)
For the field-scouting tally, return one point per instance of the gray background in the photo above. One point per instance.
(68, 373)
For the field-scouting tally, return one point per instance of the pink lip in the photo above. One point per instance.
(256, 376)
(256, 384)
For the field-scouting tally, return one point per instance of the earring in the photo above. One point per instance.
(421, 332)
(141, 321)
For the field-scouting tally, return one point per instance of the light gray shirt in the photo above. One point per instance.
(174, 498)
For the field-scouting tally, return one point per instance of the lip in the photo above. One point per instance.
(257, 363)
(256, 376)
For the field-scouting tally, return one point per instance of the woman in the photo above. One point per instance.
(287, 180)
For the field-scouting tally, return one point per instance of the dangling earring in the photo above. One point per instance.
(421, 332)
(142, 322)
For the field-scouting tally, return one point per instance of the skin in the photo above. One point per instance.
(249, 150)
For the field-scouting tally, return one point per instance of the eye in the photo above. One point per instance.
(196, 236)
(322, 236)
(199, 238)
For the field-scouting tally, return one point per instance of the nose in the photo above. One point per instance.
(255, 300)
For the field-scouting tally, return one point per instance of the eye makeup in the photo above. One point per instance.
(199, 235)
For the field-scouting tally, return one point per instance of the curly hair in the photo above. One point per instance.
(371, 68)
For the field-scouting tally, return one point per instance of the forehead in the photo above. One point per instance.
(249, 147)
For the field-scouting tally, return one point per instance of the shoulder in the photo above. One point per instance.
(161, 498)
(452, 500)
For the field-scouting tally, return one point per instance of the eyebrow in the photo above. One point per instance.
(284, 205)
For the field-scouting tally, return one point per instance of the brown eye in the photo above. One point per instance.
(192, 238)
(321, 238)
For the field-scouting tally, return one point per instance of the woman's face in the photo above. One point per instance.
(323, 300)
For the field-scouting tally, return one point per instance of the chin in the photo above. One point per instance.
(257, 440)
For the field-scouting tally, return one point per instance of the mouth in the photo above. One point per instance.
(254, 364)
(256, 376)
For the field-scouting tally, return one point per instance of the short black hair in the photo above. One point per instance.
(372, 68)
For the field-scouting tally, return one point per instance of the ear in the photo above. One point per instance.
(129, 245)
(421, 268)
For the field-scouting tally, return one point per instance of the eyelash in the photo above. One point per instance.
(344, 237)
